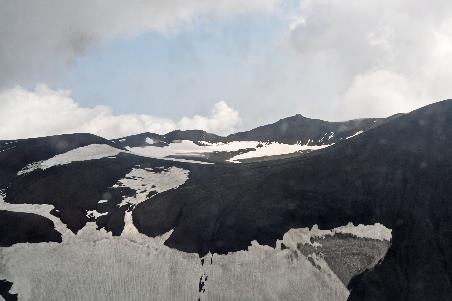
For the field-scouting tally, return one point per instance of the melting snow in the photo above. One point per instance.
(146, 181)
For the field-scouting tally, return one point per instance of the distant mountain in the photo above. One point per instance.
(291, 130)
(299, 129)
(286, 138)
(364, 215)
(146, 139)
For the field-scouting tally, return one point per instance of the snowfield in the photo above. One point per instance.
(94, 265)
(255, 149)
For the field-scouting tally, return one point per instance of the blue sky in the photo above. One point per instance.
(177, 74)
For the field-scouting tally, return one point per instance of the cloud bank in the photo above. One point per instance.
(44, 112)
(40, 38)
(335, 59)
(376, 57)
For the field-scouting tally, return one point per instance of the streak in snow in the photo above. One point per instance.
(355, 134)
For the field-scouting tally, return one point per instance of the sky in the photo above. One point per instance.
(115, 68)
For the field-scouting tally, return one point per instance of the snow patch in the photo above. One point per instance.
(190, 149)
(187, 148)
(274, 149)
(355, 134)
(84, 153)
(95, 214)
(147, 181)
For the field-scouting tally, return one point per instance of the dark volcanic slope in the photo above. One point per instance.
(19, 227)
(16, 154)
(398, 174)
(301, 129)
(77, 188)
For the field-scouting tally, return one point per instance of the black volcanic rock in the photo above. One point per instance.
(19, 227)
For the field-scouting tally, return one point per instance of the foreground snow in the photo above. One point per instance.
(94, 265)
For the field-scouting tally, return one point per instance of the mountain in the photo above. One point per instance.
(291, 130)
(288, 137)
(146, 139)
(366, 218)
(299, 129)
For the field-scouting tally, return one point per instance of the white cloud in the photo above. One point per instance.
(381, 93)
(223, 120)
(45, 112)
(378, 57)
(41, 37)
